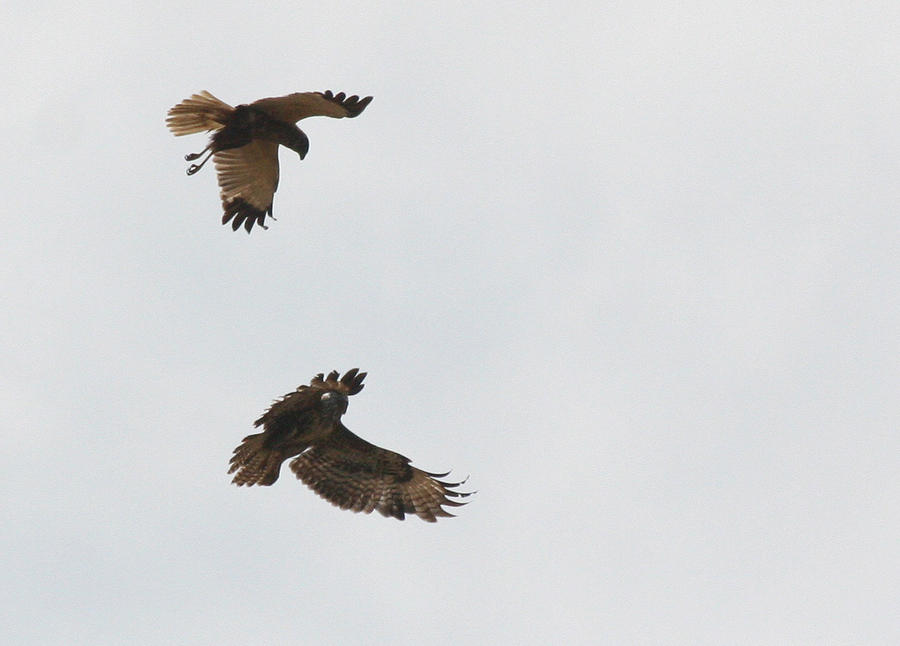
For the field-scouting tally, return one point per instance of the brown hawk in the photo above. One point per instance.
(245, 141)
(342, 468)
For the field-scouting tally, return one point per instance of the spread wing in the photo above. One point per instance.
(353, 474)
(248, 178)
(300, 105)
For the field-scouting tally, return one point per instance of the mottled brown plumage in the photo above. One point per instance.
(339, 466)
(245, 140)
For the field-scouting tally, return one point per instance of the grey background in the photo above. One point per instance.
(630, 266)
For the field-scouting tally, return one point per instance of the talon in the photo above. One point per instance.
(192, 156)
(195, 167)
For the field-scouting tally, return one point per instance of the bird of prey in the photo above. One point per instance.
(342, 468)
(245, 141)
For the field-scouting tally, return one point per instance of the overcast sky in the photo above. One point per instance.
(632, 267)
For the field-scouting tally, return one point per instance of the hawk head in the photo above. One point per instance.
(334, 400)
(334, 403)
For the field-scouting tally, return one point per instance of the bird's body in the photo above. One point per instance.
(248, 123)
(245, 140)
(339, 466)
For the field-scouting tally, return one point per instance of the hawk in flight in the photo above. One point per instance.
(342, 468)
(245, 139)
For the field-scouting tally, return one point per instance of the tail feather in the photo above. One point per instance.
(255, 464)
(200, 113)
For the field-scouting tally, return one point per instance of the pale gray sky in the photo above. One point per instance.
(633, 267)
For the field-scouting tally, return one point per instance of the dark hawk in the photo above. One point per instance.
(342, 468)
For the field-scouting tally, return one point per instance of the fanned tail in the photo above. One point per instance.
(200, 113)
(255, 464)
